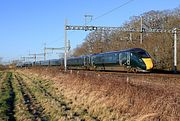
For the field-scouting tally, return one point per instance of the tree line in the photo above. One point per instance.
(159, 45)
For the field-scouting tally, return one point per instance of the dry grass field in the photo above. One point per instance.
(117, 97)
(49, 94)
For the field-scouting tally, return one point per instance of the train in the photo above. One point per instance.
(130, 60)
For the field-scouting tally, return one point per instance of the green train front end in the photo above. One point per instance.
(141, 60)
(135, 59)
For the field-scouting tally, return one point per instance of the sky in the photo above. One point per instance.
(26, 25)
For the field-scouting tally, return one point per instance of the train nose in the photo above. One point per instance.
(148, 62)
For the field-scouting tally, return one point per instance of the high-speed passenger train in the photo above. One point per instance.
(135, 59)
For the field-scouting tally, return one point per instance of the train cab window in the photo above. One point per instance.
(143, 54)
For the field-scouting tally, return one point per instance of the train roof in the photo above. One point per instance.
(55, 59)
(135, 49)
(126, 50)
(28, 62)
(78, 57)
(49, 60)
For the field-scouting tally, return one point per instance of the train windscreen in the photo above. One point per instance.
(143, 54)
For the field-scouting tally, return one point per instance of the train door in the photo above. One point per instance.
(128, 58)
(120, 59)
(84, 61)
(124, 58)
(92, 61)
(87, 62)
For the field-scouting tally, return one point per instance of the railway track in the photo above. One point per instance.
(155, 73)
(169, 82)
(148, 74)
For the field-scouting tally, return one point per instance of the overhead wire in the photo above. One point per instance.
(112, 10)
(100, 16)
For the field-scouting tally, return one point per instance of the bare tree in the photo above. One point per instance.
(159, 45)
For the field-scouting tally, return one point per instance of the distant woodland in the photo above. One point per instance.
(159, 45)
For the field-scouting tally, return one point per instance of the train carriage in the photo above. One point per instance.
(80, 62)
(56, 62)
(135, 59)
(45, 63)
(37, 63)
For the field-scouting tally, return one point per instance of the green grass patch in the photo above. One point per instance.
(7, 97)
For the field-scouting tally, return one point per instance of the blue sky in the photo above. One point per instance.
(25, 25)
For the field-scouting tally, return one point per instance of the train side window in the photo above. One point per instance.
(108, 58)
(98, 59)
